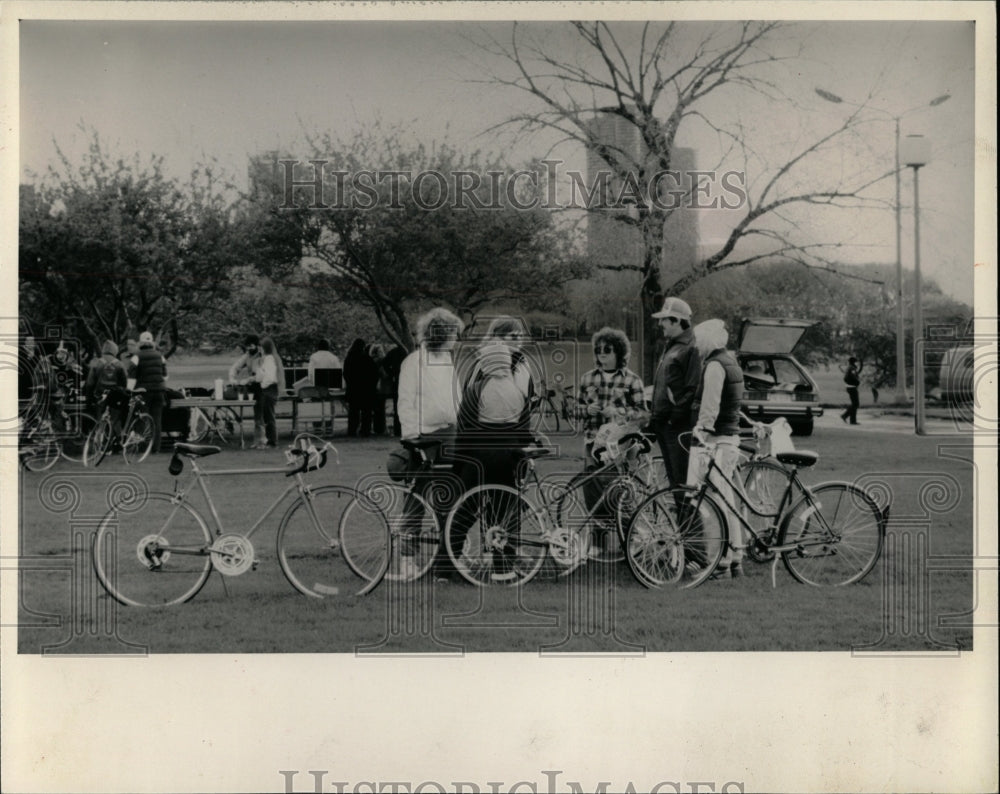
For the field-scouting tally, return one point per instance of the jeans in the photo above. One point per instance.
(268, 410)
(154, 407)
(675, 456)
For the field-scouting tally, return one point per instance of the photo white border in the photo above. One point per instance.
(825, 722)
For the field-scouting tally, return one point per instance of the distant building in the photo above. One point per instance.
(611, 242)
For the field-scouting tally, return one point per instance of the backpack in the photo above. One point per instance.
(109, 374)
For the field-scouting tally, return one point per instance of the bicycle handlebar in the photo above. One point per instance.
(312, 457)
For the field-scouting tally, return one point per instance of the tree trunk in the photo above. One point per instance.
(652, 293)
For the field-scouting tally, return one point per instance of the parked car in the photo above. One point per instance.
(956, 379)
(775, 384)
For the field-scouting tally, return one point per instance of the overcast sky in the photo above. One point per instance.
(195, 90)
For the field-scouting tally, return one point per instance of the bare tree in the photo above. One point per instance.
(658, 78)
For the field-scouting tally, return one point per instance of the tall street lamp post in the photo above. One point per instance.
(900, 394)
(916, 152)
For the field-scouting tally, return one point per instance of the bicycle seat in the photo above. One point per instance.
(535, 452)
(421, 444)
(196, 450)
(800, 457)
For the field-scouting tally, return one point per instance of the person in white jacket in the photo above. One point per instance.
(427, 407)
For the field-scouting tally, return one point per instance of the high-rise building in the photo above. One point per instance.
(611, 242)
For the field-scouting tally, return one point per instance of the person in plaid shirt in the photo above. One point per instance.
(610, 392)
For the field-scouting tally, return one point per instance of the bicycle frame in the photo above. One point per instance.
(549, 506)
(199, 476)
(775, 519)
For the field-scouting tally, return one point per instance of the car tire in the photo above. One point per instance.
(803, 427)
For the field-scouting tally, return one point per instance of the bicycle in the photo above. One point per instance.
(545, 414)
(223, 423)
(156, 549)
(135, 437)
(51, 435)
(828, 534)
(506, 536)
(411, 509)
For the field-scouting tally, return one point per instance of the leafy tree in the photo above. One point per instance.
(295, 312)
(853, 316)
(112, 247)
(396, 241)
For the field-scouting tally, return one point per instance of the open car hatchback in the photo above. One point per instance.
(774, 383)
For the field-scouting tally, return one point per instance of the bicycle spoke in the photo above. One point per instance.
(153, 554)
(837, 533)
(494, 536)
(310, 547)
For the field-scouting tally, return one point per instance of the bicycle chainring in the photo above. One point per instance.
(759, 549)
(232, 554)
(568, 549)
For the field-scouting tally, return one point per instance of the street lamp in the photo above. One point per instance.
(900, 396)
(915, 153)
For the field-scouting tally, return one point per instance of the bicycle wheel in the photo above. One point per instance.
(138, 439)
(78, 427)
(838, 532)
(199, 426)
(224, 423)
(154, 556)
(416, 535)
(98, 442)
(545, 417)
(495, 536)
(676, 537)
(40, 453)
(309, 548)
(764, 485)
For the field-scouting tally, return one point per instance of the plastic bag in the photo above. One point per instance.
(777, 438)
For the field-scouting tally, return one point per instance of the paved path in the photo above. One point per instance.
(875, 419)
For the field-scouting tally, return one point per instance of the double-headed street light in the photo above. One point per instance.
(900, 396)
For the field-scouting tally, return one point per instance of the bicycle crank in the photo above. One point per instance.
(232, 554)
(567, 548)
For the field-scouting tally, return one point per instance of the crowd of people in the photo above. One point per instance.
(480, 417)
(369, 374)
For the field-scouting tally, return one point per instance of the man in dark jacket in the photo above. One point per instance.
(151, 375)
(674, 386)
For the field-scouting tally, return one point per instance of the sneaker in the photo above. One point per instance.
(736, 570)
(722, 572)
(692, 569)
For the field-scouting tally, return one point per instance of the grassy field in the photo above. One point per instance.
(597, 609)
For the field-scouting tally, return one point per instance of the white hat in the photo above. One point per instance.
(674, 307)
(146, 338)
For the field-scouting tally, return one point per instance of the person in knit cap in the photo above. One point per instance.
(107, 380)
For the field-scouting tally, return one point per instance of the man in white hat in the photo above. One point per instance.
(674, 386)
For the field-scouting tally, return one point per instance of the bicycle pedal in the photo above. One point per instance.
(254, 564)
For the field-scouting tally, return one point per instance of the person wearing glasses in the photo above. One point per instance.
(609, 393)
(675, 383)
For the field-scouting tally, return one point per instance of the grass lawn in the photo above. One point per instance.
(899, 606)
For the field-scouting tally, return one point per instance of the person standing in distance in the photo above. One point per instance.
(675, 383)
(852, 379)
